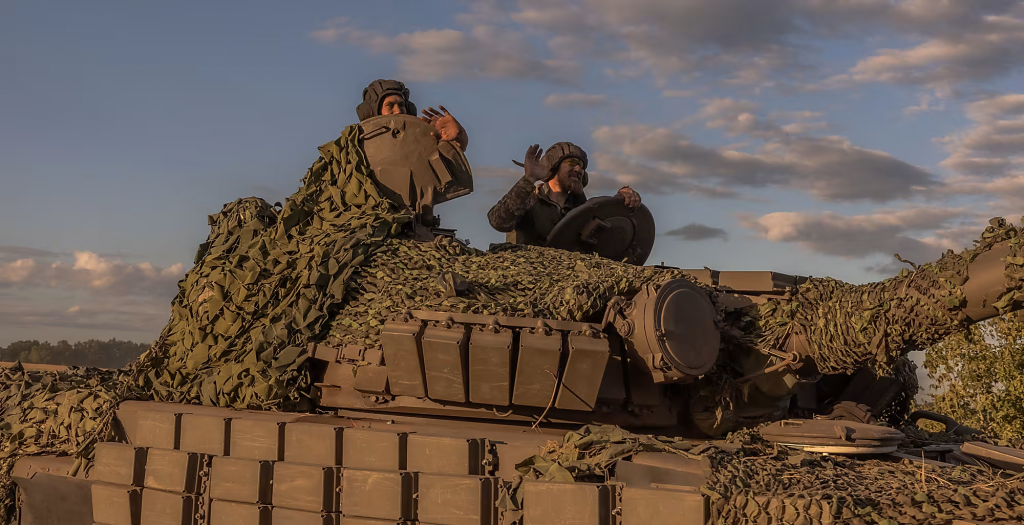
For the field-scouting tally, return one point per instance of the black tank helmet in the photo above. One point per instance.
(376, 92)
(561, 151)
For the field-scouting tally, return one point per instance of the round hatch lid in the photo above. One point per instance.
(833, 437)
(607, 227)
(682, 327)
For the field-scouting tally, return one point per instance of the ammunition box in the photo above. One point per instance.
(613, 385)
(644, 506)
(550, 503)
(116, 504)
(445, 361)
(257, 439)
(372, 379)
(377, 494)
(174, 470)
(374, 449)
(241, 480)
(540, 356)
(490, 365)
(168, 508)
(311, 488)
(340, 374)
(584, 371)
(206, 434)
(446, 455)
(401, 341)
(299, 517)
(157, 429)
(457, 500)
(313, 443)
(119, 464)
(232, 513)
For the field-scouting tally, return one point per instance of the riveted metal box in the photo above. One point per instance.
(299, 517)
(644, 506)
(372, 379)
(613, 385)
(311, 488)
(374, 449)
(584, 371)
(378, 494)
(445, 361)
(168, 508)
(157, 429)
(205, 434)
(490, 365)
(457, 500)
(118, 463)
(257, 439)
(116, 504)
(404, 358)
(550, 503)
(446, 455)
(340, 374)
(241, 480)
(234, 513)
(313, 443)
(175, 470)
(540, 354)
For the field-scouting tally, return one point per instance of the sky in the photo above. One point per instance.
(811, 137)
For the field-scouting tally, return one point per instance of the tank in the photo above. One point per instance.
(342, 359)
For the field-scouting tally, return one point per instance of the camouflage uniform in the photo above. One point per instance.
(527, 214)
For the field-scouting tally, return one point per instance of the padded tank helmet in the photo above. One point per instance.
(376, 92)
(561, 151)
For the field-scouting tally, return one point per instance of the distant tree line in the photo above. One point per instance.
(94, 352)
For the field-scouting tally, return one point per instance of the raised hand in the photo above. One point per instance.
(535, 171)
(447, 127)
(631, 196)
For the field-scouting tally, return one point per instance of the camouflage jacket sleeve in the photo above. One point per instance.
(506, 213)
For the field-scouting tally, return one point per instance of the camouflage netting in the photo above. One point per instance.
(754, 481)
(849, 327)
(515, 280)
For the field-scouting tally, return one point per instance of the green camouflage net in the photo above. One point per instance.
(526, 281)
(849, 327)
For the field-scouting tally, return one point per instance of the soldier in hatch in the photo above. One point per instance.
(391, 97)
(550, 188)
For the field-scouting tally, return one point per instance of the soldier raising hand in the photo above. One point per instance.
(551, 187)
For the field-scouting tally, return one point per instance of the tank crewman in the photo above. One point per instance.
(550, 188)
(391, 97)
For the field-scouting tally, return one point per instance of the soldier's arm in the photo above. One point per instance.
(506, 213)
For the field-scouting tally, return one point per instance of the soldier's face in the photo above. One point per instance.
(393, 105)
(570, 175)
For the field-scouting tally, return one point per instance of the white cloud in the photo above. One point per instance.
(994, 144)
(881, 232)
(760, 43)
(95, 273)
(443, 54)
(575, 100)
(830, 168)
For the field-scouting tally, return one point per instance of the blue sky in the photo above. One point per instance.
(801, 136)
